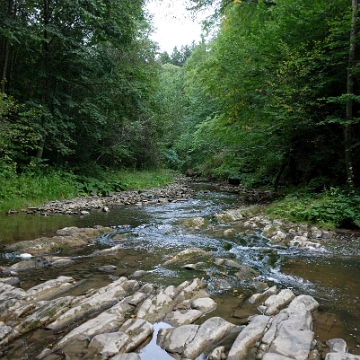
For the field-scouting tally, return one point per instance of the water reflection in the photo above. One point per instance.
(152, 351)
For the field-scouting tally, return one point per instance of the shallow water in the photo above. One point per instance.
(149, 234)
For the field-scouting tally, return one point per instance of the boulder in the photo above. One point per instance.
(185, 255)
(108, 268)
(231, 215)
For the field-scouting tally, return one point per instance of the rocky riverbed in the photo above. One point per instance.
(117, 321)
(121, 318)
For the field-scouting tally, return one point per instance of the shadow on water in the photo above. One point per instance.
(150, 234)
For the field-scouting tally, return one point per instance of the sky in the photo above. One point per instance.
(174, 25)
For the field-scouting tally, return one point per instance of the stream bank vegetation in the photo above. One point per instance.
(18, 191)
(268, 98)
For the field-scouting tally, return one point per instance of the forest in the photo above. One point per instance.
(268, 99)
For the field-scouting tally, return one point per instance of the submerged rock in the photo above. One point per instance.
(195, 223)
(337, 345)
(185, 255)
(67, 237)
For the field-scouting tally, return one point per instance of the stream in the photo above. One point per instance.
(149, 234)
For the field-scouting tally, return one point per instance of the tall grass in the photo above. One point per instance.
(145, 179)
(19, 191)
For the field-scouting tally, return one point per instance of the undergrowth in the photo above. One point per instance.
(329, 209)
(32, 188)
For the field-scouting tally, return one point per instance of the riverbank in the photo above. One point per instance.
(29, 189)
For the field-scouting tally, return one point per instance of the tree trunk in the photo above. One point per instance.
(350, 91)
(40, 148)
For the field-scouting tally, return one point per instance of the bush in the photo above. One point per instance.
(332, 208)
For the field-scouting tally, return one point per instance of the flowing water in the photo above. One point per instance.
(150, 234)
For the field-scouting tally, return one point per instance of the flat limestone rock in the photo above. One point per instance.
(4, 331)
(341, 356)
(204, 304)
(155, 307)
(50, 288)
(210, 332)
(9, 280)
(270, 356)
(294, 337)
(277, 302)
(46, 313)
(11, 297)
(109, 344)
(306, 302)
(130, 356)
(189, 341)
(257, 297)
(175, 340)
(104, 297)
(248, 337)
(103, 323)
(138, 331)
(182, 317)
(276, 322)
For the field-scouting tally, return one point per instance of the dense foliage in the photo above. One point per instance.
(78, 79)
(270, 95)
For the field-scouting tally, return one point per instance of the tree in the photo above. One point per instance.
(267, 73)
(86, 70)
